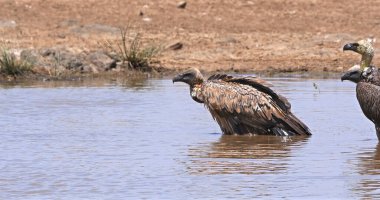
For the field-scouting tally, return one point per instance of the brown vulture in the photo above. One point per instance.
(367, 79)
(243, 105)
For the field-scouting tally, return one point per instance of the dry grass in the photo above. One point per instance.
(10, 65)
(129, 50)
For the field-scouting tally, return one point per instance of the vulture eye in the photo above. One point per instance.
(355, 44)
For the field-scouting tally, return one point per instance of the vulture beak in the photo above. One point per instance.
(178, 78)
(345, 76)
(354, 76)
(351, 46)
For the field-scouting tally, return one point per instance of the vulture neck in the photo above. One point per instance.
(365, 61)
(196, 91)
(371, 75)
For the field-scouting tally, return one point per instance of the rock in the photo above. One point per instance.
(147, 19)
(30, 55)
(74, 63)
(62, 57)
(47, 52)
(7, 24)
(40, 70)
(90, 69)
(101, 61)
(67, 59)
(182, 4)
(175, 46)
(61, 36)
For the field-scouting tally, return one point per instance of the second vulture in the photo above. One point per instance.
(243, 105)
(367, 79)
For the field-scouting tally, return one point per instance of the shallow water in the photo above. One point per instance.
(150, 140)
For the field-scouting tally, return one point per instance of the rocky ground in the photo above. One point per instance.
(214, 35)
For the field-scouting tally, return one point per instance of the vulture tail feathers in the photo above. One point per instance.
(291, 124)
(281, 132)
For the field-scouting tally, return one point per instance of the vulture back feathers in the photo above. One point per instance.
(245, 105)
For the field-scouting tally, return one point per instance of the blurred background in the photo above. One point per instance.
(255, 35)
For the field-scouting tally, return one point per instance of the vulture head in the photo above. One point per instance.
(192, 77)
(364, 48)
(353, 74)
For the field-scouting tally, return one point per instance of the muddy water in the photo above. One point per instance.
(148, 139)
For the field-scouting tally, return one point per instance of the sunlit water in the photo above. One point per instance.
(150, 140)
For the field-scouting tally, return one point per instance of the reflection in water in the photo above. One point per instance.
(369, 168)
(134, 82)
(244, 155)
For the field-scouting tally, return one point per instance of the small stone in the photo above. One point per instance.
(175, 46)
(182, 4)
(101, 61)
(90, 68)
(7, 24)
(74, 64)
(61, 35)
(47, 52)
(147, 19)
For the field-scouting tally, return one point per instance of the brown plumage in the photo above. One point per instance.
(367, 92)
(243, 105)
(367, 79)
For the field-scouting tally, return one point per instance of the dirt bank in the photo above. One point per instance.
(255, 35)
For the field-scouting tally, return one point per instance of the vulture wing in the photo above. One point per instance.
(368, 96)
(248, 105)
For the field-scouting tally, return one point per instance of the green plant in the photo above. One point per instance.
(10, 65)
(129, 50)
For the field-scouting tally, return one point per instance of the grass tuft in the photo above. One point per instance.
(10, 65)
(130, 51)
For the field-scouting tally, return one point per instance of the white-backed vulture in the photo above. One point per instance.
(367, 79)
(243, 105)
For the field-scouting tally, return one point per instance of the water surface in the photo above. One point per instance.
(149, 140)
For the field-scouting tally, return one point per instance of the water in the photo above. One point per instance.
(150, 140)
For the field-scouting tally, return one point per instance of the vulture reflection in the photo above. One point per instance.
(367, 79)
(244, 155)
(243, 105)
(369, 169)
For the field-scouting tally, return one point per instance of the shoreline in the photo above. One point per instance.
(138, 75)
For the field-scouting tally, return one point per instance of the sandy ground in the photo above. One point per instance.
(255, 35)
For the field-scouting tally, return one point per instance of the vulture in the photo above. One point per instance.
(367, 79)
(243, 105)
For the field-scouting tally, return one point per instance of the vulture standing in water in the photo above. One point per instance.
(243, 105)
(367, 79)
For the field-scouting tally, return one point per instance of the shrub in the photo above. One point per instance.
(10, 65)
(129, 50)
